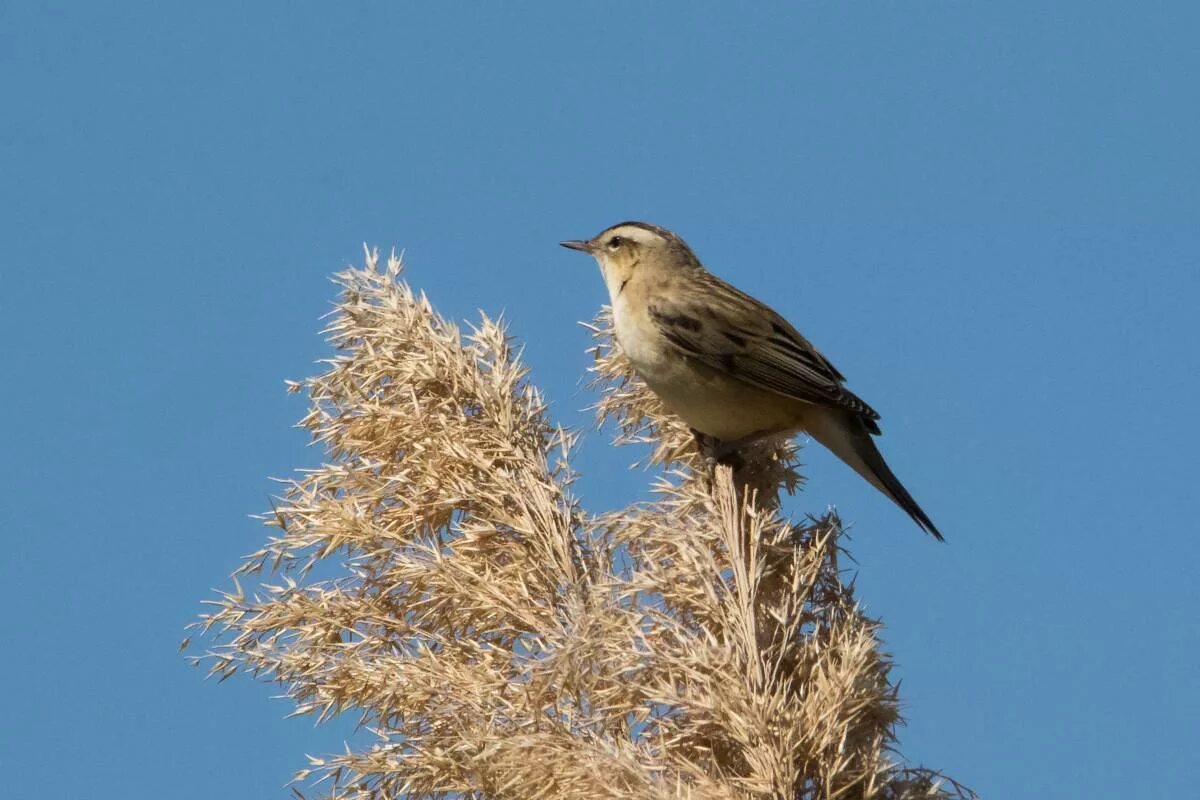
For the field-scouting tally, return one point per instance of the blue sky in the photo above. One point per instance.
(985, 214)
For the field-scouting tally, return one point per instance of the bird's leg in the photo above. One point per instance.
(715, 451)
(729, 454)
(704, 446)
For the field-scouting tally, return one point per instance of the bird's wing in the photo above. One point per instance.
(730, 331)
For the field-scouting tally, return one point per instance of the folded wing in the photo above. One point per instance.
(730, 331)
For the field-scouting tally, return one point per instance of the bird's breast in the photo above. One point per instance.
(707, 399)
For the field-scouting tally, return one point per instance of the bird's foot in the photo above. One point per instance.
(715, 451)
(704, 446)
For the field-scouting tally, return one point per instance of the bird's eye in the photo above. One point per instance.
(615, 242)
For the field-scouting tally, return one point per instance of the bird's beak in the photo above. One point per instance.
(577, 244)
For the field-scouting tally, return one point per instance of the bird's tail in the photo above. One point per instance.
(848, 439)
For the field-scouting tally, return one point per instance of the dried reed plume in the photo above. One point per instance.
(500, 642)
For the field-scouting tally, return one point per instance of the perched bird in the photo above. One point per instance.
(729, 366)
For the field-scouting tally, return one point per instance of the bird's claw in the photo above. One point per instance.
(714, 452)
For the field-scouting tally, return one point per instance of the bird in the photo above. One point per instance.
(727, 364)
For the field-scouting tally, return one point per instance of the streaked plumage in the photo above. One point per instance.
(728, 365)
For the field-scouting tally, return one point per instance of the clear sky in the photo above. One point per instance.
(986, 214)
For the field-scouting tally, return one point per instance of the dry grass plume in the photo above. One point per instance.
(500, 641)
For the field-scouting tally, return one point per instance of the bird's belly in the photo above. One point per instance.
(714, 403)
(725, 408)
(706, 399)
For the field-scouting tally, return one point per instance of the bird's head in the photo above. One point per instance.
(628, 248)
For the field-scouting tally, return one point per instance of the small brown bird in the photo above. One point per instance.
(729, 366)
